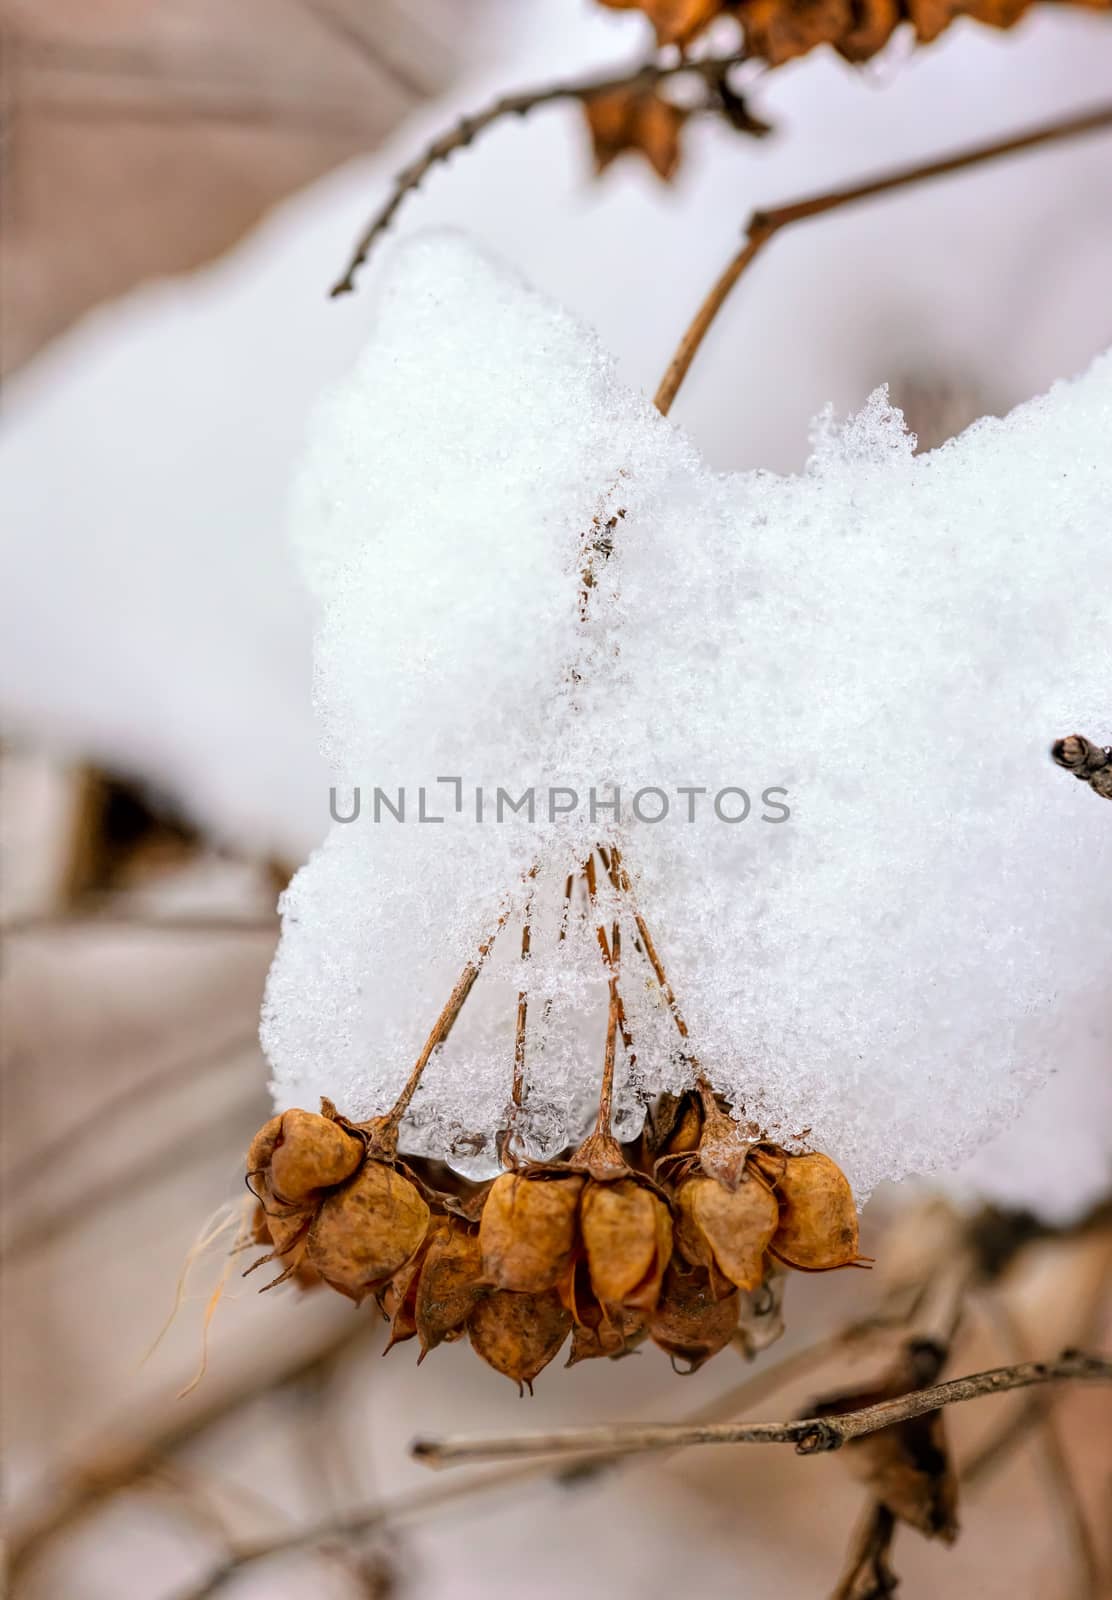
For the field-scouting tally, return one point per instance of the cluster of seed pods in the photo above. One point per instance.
(677, 1239)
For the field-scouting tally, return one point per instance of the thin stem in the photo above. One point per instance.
(386, 1128)
(764, 225)
(1062, 1489)
(518, 1091)
(646, 77)
(809, 1435)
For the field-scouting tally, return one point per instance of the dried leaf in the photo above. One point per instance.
(366, 1231)
(907, 1466)
(818, 1219)
(726, 1230)
(627, 1232)
(518, 1334)
(527, 1230)
(675, 21)
(398, 1302)
(448, 1286)
(635, 119)
(780, 30)
(690, 1321)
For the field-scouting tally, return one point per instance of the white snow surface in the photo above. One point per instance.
(892, 639)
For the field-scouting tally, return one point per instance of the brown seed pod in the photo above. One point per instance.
(366, 1231)
(818, 1219)
(724, 1230)
(301, 1153)
(691, 1323)
(281, 1234)
(518, 1334)
(398, 1301)
(448, 1283)
(527, 1230)
(613, 1339)
(627, 1233)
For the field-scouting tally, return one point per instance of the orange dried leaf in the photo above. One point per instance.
(675, 21)
(724, 1229)
(527, 1230)
(518, 1334)
(818, 1218)
(366, 1231)
(635, 119)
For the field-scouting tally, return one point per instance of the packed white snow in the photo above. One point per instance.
(148, 619)
(885, 645)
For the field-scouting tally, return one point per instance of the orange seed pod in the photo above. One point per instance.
(366, 1231)
(527, 1230)
(726, 1230)
(818, 1219)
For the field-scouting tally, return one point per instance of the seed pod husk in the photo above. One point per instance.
(727, 1231)
(691, 1322)
(527, 1230)
(366, 1231)
(627, 1233)
(818, 1219)
(302, 1153)
(398, 1301)
(597, 1330)
(448, 1283)
(518, 1334)
(285, 1225)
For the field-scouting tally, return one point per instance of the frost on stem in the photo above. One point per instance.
(894, 966)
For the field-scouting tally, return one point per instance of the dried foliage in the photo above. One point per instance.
(778, 30)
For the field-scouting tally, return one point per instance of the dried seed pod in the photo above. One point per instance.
(613, 1339)
(818, 1219)
(627, 1232)
(398, 1302)
(724, 1230)
(691, 1322)
(282, 1232)
(301, 1153)
(448, 1284)
(285, 1225)
(597, 1330)
(366, 1231)
(527, 1230)
(518, 1334)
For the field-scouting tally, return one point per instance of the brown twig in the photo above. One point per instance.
(386, 1127)
(764, 225)
(645, 77)
(518, 1091)
(868, 1574)
(809, 1435)
(1062, 1489)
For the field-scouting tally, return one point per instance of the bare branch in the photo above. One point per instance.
(764, 225)
(711, 70)
(809, 1435)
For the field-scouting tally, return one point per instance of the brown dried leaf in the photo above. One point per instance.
(907, 1466)
(675, 21)
(518, 1334)
(366, 1231)
(527, 1230)
(627, 1232)
(818, 1218)
(635, 119)
(727, 1230)
(690, 1322)
(448, 1286)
